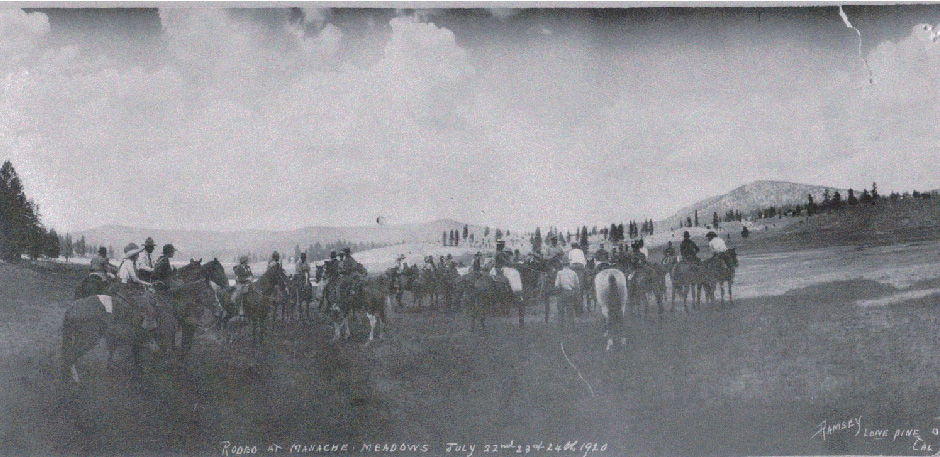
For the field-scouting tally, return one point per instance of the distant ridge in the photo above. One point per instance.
(227, 244)
(749, 197)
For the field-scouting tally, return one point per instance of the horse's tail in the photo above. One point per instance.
(613, 291)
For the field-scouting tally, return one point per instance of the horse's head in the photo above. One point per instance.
(732, 258)
(215, 272)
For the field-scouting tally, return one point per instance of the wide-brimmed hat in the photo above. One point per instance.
(168, 248)
(347, 250)
(243, 259)
(149, 242)
(711, 235)
(131, 249)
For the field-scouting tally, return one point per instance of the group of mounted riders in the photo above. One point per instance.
(137, 279)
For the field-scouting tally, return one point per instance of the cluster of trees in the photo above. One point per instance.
(834, 201)
(21, 231)
(555, 238)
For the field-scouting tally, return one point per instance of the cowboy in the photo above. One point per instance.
(669, 253)
(243, 277)
(101, 267)
(134, 289)
(719, 248)
(349, 264)
(331, 267)
(275, 260)
(302, 268)
(688, 249)
(145, 262)
(477, 262)
(163, 271)
(642, 248)
(568, 286)
(601, 255)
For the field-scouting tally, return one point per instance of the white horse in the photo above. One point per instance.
(610, 287)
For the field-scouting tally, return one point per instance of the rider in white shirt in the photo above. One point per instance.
(716, 243)
(576, 257)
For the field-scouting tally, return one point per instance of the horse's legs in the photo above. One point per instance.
(730, 297)
(186, 343)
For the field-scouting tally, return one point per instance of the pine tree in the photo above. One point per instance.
(20, 229)
(52, 248)
(537, 240)
(852, 200)
(810, 205)
(837, 200)
(584, 238)
(715, 219)
(466, 230)
(67, 248)
(874, 192)
(696, 218)
(444, 238)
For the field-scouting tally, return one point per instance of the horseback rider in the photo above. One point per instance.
(349, 265)
(688, 249)
(719, 248)
(302, 268)
(669, 254)
(477, 262)
(101, 267)
(601, 255)
(642, 249)
(145, 262)
(162, 270)
(243, 277)
(135, 290)
(331, 267)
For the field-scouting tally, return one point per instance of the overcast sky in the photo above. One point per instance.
(210, 118)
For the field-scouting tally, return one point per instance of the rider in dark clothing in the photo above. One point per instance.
(688, 249)
(162, 270)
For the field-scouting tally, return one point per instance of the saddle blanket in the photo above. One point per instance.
(107, 303)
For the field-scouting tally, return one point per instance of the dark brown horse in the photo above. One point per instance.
(685, 277)
(92, 285)
(117, 318)
(259, 299)
(718, 271)
(646, 281)
(485, 296)
(358, 296)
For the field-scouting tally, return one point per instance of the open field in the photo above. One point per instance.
(817, 337)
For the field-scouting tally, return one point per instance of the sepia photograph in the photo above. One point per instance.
(469, 229)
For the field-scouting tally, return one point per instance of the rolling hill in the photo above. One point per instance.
(749, 197)
(227, 244)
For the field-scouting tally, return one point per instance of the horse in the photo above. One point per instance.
(259, 299)
(193, 280)
(425, 283)
(645, 280)
(93, 284)
(481, 294)
(514, 278)
(114, 317)
(685, 277)
(610, 288)
(357, 296)
(719, 270)
(395, 284)
(537, 277)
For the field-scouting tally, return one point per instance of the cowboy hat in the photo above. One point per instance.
(149, 242)
(167, 248)
(131, 250)
(711, 235)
